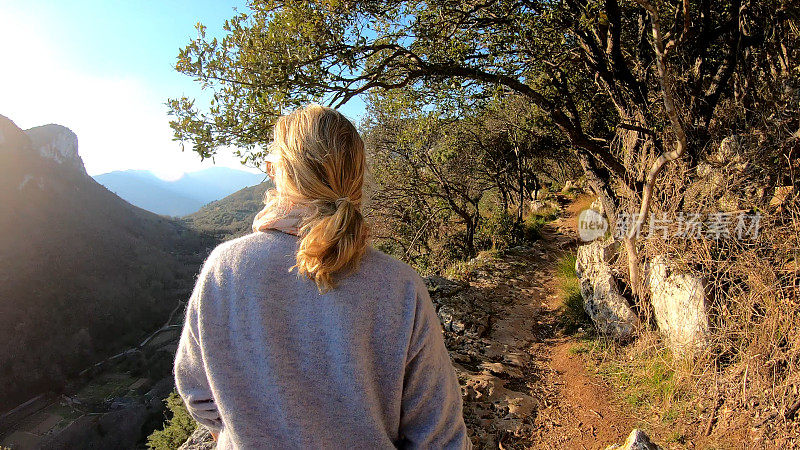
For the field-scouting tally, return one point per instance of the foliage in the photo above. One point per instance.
(645, 376)
(499, 230)
(571, 316)
(532, 229)
(472, 105)
(176, 430)
(595, 71)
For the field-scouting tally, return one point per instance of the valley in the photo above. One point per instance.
(86, 277)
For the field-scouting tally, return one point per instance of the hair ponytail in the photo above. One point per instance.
(332, 244)
(322, 162)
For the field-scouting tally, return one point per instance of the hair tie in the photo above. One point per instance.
(341, 200)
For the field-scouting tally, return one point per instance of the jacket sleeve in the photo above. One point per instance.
(191, 380)
(431, 415)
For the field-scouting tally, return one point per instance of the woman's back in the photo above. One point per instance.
(269, 361)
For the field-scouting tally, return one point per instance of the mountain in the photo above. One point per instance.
(231, 216)
(83, 273)
(180, 197)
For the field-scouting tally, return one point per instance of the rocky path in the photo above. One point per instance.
(523, 388)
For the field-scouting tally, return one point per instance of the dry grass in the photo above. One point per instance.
(752, 363)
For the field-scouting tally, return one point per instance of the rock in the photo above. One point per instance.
(446, 317)
(499, 369)
(782, 194)
(12, 138)
(679, 304)
(543, 204)
(637, 440)
(442, 287)
(456, 307)
(578, 184)
(57, 143)
(602, 300)
(536, 205)
(201, 439)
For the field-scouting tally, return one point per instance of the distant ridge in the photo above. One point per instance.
(231, 216)
(182, 196)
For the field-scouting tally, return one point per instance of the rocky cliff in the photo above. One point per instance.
(83, 273)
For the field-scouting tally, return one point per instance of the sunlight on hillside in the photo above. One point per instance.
(597, 202)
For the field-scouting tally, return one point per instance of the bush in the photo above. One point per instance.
(176, 430)
(498, 231)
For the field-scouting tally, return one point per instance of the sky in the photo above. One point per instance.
(104, 69)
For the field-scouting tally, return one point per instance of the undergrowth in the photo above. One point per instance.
(572, 318)
(176, 430)
(532, 229)
(644, 375)
(463, 270)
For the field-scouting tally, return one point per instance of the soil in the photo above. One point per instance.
(523, 386)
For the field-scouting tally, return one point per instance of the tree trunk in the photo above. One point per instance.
(472, 224)
(521, 183)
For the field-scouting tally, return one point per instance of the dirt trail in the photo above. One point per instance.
(523, 387)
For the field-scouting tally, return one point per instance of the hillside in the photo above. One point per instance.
(82, 272)
(178, 197)
(231, 216)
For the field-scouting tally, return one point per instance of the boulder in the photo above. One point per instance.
(543, 204)
(637, 440)
(602, 300)
(679, 305)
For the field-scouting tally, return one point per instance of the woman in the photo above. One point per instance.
(345, 353)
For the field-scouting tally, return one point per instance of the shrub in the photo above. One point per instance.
(176, 430)
(498, 231)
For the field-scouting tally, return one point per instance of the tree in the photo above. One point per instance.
(426, 177)
(588, 65)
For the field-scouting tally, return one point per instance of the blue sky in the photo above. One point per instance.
(104, 69)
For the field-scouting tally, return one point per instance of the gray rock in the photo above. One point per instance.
(57, 143)
(602, 300)
(539, 205)
(446, 317)
(442, 287)
(201, 439)
(679, 305)
(637, 440)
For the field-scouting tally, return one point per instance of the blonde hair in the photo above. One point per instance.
(320, 159)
